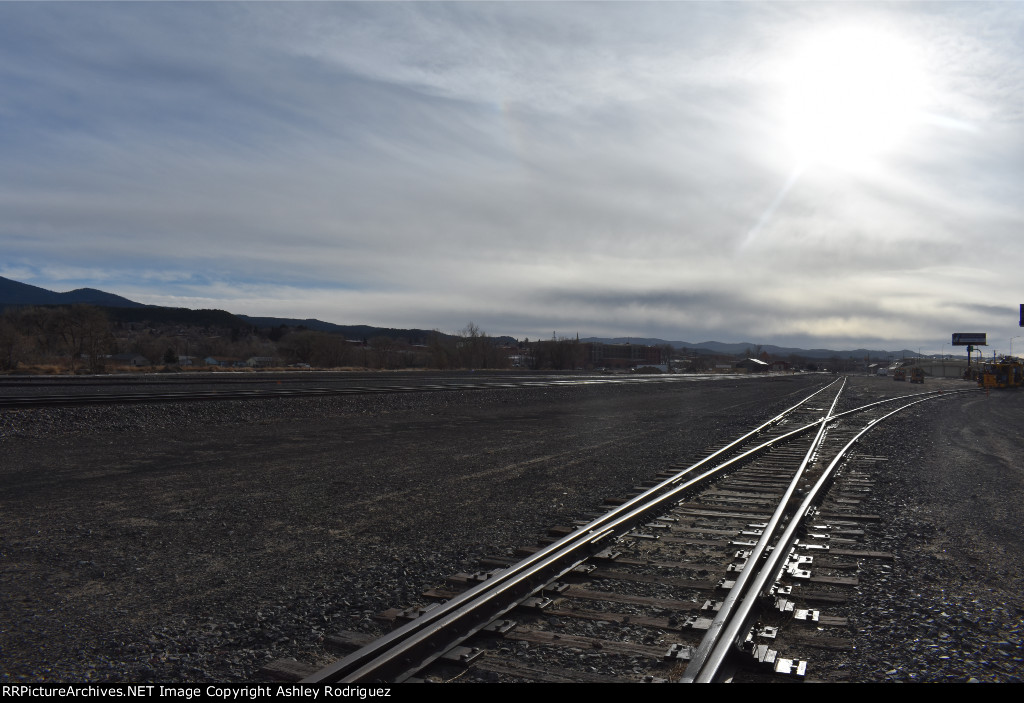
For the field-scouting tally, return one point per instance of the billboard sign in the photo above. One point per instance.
(962, 339)
(1022, 315)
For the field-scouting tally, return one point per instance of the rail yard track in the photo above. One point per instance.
(721, 569)
(359, 386)
(266, 538)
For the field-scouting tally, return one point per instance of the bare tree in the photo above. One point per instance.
(383, 351)
(558, 353)
(442, 351)
(13, 343)
(473, 347)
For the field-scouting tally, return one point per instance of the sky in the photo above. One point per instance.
(801, 174)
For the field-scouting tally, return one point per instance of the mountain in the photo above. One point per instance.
(15, 293)
(91, 296)
(125, 310)
(738, 348)
(186, 317)
(414, 336)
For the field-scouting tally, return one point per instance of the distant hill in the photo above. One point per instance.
(185, 317)
(15, 293)
(124, 310)
(738, 348)
(91, 296)
(413, 336)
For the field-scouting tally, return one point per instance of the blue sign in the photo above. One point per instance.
(963, 339)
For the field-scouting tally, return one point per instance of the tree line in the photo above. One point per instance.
(75, 335)
(83, 338)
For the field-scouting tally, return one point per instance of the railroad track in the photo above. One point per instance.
(87, 398)
(711, 570)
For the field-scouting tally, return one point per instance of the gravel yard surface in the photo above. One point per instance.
(197, 541)
(950, 606)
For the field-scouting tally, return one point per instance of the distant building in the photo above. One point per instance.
(223, 361)
(622, 356)
(753, 366)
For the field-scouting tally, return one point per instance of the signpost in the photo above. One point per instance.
(970, 340)
(963, 339)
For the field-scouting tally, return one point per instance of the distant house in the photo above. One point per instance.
(130, 360)
(261, 361)
(223, 361)
(753, 366)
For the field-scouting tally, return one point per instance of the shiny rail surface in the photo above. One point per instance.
(733, 620)
(709, 654)
(398, 655)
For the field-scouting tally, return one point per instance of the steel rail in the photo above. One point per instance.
(727, 637)
(397, 655)
(739, 588)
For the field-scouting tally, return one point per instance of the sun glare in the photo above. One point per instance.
(851, 96)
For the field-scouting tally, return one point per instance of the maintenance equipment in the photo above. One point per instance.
(1004, 373)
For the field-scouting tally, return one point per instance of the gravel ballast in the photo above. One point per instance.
(198, 541)
(949, 608)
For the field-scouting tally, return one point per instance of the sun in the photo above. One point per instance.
(851, 95)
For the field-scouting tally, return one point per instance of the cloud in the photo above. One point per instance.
(524, 165)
